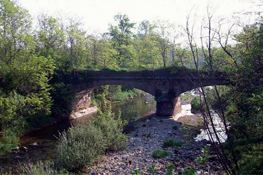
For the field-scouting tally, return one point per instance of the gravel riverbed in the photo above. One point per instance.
(146, 137)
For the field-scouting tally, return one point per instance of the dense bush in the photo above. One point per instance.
(195, 105)
(83, 143)
(79, 146)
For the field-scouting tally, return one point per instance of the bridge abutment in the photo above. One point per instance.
(168, 106)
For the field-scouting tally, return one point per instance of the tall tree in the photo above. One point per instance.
(76, 41)
(121, 39)
(50, 38)
(15, 32)
(24, 76)
(163, 31)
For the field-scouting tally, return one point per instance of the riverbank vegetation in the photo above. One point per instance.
(36, 62)
(82, 144)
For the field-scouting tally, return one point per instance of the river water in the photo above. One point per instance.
(40, 145)
(218, 124)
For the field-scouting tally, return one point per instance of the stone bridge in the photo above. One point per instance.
(164, 84)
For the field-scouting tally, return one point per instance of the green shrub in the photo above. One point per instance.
(41, 168)
(171, 143)
(111, 128)
(79, 146)
(195, 105)
(160, 154)
(83, 143)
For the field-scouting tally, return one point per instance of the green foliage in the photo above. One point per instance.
(24, 97)
(171, 143)
(189, 171)
(125, 95)
(251, 158)
(158, 154)
(196, 105)
(244, 110)
(185, 96)
(111, 128)
(41, 168)
(10, 139)
(213, 100)
(62, 95)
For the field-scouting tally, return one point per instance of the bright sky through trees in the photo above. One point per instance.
(97, 14)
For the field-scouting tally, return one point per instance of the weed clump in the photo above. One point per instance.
(158, 154)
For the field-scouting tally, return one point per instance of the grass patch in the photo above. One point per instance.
(171, 143)
(158, 154)
(41, 168)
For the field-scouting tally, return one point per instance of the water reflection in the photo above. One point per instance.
(131, 110)
(135, 108)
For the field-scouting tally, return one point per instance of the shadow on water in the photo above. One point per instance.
(40, 144)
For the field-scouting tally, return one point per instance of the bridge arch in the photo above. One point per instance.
(164, 84)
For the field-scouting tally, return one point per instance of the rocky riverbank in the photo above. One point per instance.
(147, 136)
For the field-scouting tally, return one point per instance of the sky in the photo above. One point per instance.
(96, 15)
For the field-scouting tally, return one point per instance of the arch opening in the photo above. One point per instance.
(131, 103)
